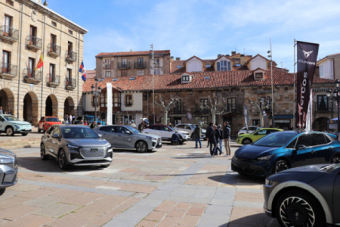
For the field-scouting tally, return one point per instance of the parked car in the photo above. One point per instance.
(283, 150)
(189, 128)
(165, 132)
(46, 122)
(75, 145)
(304, 196)
(8, 170)
(122, 136)
(251, 129)
(11, 125)
(88, 118)
(250, 138)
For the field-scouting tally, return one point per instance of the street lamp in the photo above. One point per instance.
(95, 90)
(336, 97)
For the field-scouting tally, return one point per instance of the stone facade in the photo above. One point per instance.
(54, 89)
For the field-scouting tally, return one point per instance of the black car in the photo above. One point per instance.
(304, 196)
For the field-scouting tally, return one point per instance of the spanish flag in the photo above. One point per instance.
(40, 63)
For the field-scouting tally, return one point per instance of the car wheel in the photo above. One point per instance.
(43, 155)
(141, 146)
(24, 134)
(296, 208)
(246, 141)
(9, 131)
(62, 160)
(280, 166)
(335, 159)
(2, 191)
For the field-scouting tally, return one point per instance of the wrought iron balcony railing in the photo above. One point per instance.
(32, 76)
(140, 65)
(123, 65)
(9, 34)
(8, 71)
(53, 50)
(70, 84)
(52, 80)
(33, 42)
(71, 56)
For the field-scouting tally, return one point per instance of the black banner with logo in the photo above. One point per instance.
(307, 54)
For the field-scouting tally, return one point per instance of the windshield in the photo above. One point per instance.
(275, 140)
(10, 118)
(52, 119)
(132, 129)
(78, 133)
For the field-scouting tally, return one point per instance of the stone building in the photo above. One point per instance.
(231, 90)
(133, 63)
(30, 30)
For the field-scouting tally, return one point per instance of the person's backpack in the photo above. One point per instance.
(220, 133)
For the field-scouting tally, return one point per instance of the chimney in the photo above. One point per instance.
(227, 55)
(130, 50)
(219, 55)
(242, 55)
(178, 58)
(172, 58)
(250, 56)
(233, 52)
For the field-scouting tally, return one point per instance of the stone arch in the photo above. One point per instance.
(31, 108)
(69, 106)
(7, 100)
(51, 106)
(320, 124)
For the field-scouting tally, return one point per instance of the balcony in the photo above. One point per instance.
(70, 84)
(53, 50)
(8, 34)
(33, 43)
(32, 76)
(140, 65)
(52, 80)
(8, 71)
(324, 108)
(71, 56)
(123, 65)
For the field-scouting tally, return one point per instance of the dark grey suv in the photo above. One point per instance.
(75, 145)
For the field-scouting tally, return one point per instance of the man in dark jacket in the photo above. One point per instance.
(175, 140)
(213, 142)
(208, 132)
(226, 137)
(196, 135)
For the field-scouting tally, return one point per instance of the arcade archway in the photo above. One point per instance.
(51, 106)
(7, 100)
(69, 106)
(31, 108)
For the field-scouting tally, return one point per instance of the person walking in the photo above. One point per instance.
(212, 142)
(133, 124)
(70, 121)
(85, 122)
(208, 132)
(220, 138)
(1, 111)
(141, 126)
(226, 136)
(196, 135)
(66, 119)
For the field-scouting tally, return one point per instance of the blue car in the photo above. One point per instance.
(283, 150)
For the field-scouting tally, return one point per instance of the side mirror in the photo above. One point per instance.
(100, 135)
(300, 147)
(55, 136)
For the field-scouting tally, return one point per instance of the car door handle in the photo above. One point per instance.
(330, 148)
(312, 152)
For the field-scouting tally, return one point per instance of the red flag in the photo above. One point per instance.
(40, 63)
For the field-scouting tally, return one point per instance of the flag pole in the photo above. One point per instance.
(294, 101)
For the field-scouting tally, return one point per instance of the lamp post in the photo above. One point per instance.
(336, 97)
(270, 55)
(95, 90)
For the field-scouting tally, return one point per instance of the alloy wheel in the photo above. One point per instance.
(335, 159)
(9, 131)
(141, 147)
(295, 211)
(61, 159)
(280, 166)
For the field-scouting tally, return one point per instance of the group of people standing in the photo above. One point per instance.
(215, 136)
(5, 112)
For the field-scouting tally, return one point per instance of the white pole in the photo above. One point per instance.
(271, 73)
(294, 104)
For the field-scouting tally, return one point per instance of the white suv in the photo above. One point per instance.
(11, 125)
(189, 128)
(165, 132)
(251, 129)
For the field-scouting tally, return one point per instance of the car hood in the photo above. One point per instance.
(87, 142)
(20, 122)
(183, 132)
(252, 151)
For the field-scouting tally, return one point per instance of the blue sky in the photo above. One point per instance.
(204, 28)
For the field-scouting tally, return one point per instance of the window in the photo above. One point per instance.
(6, 59)
(33, 34)
(10, 2)
(70, 32)
(185, 78)
(7, 25)
(31, 64)
(231, 104)
(261, 132)
(179, 66)
(319, 139)
(322, 102)
(116, 99)
(224, 66)
(140, 72)
(54, 24)
(69, 49)
(107, 74)
(128, 100)
(124, 73)
(203, 103)
(124, 62)
(53, 43)
(321, 70)
(140, 61)
(306, 139)
(259, 75)
(52, 73)
(292, 144)
(103, 99)
(68, 77)
(178, 105)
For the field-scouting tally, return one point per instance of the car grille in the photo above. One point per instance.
(92, 152)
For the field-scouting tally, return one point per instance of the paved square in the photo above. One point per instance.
(174, 186)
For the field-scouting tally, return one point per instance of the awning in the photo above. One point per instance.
(281, 116)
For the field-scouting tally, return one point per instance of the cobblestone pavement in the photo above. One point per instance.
(175, 186)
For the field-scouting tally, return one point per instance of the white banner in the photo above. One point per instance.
(109, 103)
(309, 113)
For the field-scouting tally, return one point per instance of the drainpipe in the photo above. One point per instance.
(42, 71)
(20, 44)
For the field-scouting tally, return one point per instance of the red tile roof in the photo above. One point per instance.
(174, 68)
(131, 53)
(242, 78)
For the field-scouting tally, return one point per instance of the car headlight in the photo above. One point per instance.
(6, 160)
(270, 182)
(149, 137)
(16, 127)
(264, 158)
(74, 148)
(235, 158)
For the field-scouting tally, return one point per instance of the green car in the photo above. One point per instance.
(250, 138)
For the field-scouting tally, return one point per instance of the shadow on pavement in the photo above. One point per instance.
(132, 151)
(234, 179)
(258, 220)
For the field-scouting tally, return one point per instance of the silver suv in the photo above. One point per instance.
(8, 170)
(75, 145)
